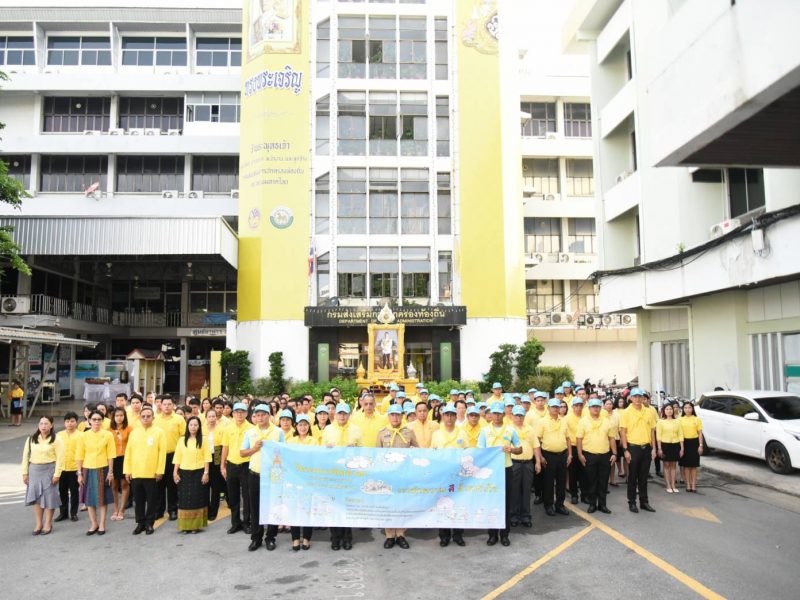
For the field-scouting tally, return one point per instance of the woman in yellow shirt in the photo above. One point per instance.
(214, 431)
(693, 440)
(42, 463)
(303, 437)
(94, 457)
(669, 437)
(322, 418)
(190, 471)
(120, 489)
(17, 399)
(610, 413)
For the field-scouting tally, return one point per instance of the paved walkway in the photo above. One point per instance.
(750, 470)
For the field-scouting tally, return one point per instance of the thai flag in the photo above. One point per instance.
(311, 260)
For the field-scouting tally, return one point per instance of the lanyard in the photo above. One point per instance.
(497, 436)
(395, 433)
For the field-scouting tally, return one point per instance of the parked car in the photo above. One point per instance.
(756, 423)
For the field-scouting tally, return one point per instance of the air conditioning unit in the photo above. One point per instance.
(194, 194)
(136, 131)
(592, 319)
(539, 320)
(564, 257)
(560, 318)
(627, 319)
(174, 131)
(720, 229)
(152, 131)
(533, 259)
(116, 131)
(235, 194)
(552, 197)
(16, 305)
(169, 194)
(623, 176)
(91, 132)
(607, 320)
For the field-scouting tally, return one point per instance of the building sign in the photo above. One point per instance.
(351, 316)
(201, 332)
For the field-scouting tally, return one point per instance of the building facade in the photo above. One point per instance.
(696, 169)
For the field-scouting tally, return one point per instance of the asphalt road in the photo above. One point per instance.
(730, 540)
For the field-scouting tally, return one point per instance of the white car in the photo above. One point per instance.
(756, 423)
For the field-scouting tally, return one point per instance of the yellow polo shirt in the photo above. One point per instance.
(691, 426)
(552, 434)
(442, 438)
(534, 415)
(472, 433)
(232, 440)
(369, 426)
(173, 426)
(70, 445)
(146, 453)
(572, 426)
(594, 434)
(271, 434)
(349, 435)
(424, 432)
(42, 453)
(191, 458)
(96, 449)
(669, 431)
(529, 442)
(309, 440)
(638, 424)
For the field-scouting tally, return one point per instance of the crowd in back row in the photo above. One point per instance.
(183, 459)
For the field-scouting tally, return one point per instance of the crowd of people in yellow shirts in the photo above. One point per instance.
(180, 461)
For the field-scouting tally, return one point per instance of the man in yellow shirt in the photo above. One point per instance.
(422, 427)
(369, 421)
(637, 434)
(144, 464)
(568, 390)
(522, 468)
(68, 488)
(173, 426)
(556, 458)
(134, 410)
(597, 452)
(536, 412)
(449, 436)
(390, 398)
(577, 478)
(472, 428)
(234, 469)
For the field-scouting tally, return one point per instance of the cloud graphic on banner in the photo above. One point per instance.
(358, 462)
(394, 457)
(421, 462)
(468, 469)
(341, 461)
(376, 487)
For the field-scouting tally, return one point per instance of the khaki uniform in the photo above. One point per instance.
(402, 437)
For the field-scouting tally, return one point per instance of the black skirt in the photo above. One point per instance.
(691, 453)
(671, 452)
(119, 461)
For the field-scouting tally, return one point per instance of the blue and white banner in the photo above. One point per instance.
(382, 487)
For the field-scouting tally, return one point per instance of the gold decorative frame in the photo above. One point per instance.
(375, 371)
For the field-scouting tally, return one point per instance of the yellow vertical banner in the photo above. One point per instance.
(275, 160)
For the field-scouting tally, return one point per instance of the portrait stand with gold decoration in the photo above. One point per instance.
(386, 354)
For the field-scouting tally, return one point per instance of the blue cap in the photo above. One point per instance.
(577, 400)
(454, 392)
(303, 418)
(481, 405)
(468, 392)
(518, 411)
(261, 408)
(559, 390)
(286, 413)
(470, 400)
(419, 385)
(508, 402)
(497, 407)
(566, 383)
(540, 395)
(497, 385)
(409, 409)
(472, 410)
(554, 402)
(526, 399)
(395, 409)
(394, 388)
(407, 404)
(321, 409)
(594, 402)
(532, 391)
(637, 391)
(578, 388)
(516, 395)
(401, 394)
(342, 407)
(449, 408)
(240, 406)
(434, 397)
(424, 391)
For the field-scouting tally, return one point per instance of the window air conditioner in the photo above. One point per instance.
(628, 319)
(552, 197)
(607, 320)
(592, 319)
(564, 257)
(18, 305)
(194, 194)
(116, 131)
(136, 131)
(153, 131)
(169, 194)
(540, 320)
(720, 229)
(560, 318)
(174, 131)
(235, 194)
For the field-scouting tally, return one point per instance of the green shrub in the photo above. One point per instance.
(241, 361)
(557, 375)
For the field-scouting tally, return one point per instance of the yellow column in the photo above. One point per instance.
(215, 383)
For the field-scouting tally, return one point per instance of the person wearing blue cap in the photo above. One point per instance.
(472, 428)
(522, 468)
(253, 440)
(410, 412)
(234, 469)
(556, 458)
(576, 479)
(568, 388)
(341, 433)
(500, 435)
(390, 398)
(422, 426)
(497, 392)
(369, 421)
(637, 434)
(597, 452)
(449, 436)
(508, 406)
(535, 413)
(301, 536)
(453, 396)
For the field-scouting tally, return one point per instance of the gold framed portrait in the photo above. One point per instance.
(273, 27)
(386, 350)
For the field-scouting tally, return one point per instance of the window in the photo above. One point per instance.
(352, 201)
(739, 407)
(769, 357)
(445, 275)
(542, 234)
(413, 62)
(440, 47)
(352, 47)
(352, 120)
(414, 201)
(383, 124)
(138, 174)
(383, 201)
(382, 48)
(414, 123)
(75, 115)
(545, 296)
(154, 113)
(211, 296)
(443, 204)
(351, 269)
(322, 211)
(581, 236)
(634, 156)
(17, 50)
(86, 51)
(323, 277)
(583, 296)
(324, 49)
(580, 177)
(542, 118)
(416, 269)
(72, 173)
(213, 107)
(540, 175)
(442, 126)
(745, 190)
(149, 51)
(675, 367)
(323, 128)
(383, 272)
(215, 174)
(577, 120)
(19, 168)
(715, 403)
(219, 52)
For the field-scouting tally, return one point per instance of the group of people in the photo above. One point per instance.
(180, 461)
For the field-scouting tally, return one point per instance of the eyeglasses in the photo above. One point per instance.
(95, 419)
(145, 416)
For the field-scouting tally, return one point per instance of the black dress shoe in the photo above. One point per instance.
(254, 545)
(647, 507)
(235, 529)
(550, 512)
(148, 530)
(492, 540)
(561, 510)
(604, 510)
(173, 516)
(103, 531)
(389, 543)
(527, 524)
(584, 500)
(574, 499)
(296, 548)
(139, 529)
(61, 517)
(90, 532)
(504, 541)
(592, 509)
(538, 500)
(402, 542)
(270, 545)
(442, 543)
(73, 518)
(632, 507)
(247, 530)
(459, 541)
(347, 545)
(335, 546)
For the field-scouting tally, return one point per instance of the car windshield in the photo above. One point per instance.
(783, 408)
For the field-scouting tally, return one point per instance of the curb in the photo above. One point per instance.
(749, 480)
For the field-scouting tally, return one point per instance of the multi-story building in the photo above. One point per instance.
(122, 122)
(558, 190)
(696, 158)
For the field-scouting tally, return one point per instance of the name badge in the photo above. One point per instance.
(150, 441)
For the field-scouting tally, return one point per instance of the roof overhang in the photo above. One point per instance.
(11, 334)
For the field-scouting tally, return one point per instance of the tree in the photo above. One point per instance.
(236, 372)
(11, 192)
(276, 371)
(501, 368)
(528, 358)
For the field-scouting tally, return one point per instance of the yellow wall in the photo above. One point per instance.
(275, 164)
(215, 385)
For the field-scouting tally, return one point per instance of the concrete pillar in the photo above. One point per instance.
(184, 370)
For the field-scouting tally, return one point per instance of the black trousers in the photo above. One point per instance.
(68, 491)
(538, 483)
(145, 498)
(340, 534)
(167, 489)
(215, 486)
(597, 470)
(577, 475)
(555, 478)
(509, 481)
(638, 469)
(256, 527)
(239, 493)
(522, 475)
(448, 534)
(300, 532)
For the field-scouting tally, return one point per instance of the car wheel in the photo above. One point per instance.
(778, 458)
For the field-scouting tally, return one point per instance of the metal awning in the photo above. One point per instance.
(124, 236)
(34, 336)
